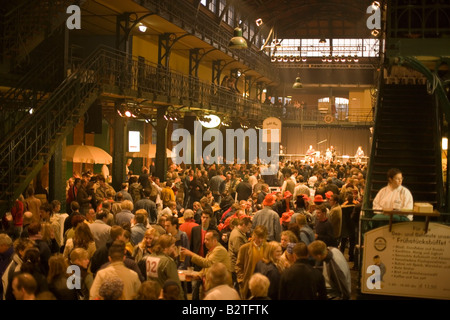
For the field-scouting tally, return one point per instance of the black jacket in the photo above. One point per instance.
(302, 282)
(271, 272)
(325, 232)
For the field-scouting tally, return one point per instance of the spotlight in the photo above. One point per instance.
(375, 32)
(142, 28)
(291, 58)
(31, 111)
(324, 58)
(259, 22)
(322, 40)
(343, 59)
(280, 58)
(304, 59)
(273, 59)
(356, 59)
(128, 113)
(298, 59)
(285, 59)
(336, 58)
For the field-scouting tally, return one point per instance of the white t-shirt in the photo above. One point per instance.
(398, 198)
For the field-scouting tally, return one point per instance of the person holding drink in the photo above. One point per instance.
(216, 253)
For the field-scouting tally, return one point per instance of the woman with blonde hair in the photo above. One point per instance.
(143, 248)
(48, 235)
(82, 238)
(271, 267)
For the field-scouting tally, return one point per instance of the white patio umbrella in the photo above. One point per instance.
(87, 154)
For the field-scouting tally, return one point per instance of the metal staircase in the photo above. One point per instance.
(32, 143)
(407, 136)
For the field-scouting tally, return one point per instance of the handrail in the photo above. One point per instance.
(367, 190)
(433, 80)
(291, 113)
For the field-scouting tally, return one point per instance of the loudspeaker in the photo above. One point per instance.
(189, 123)
(93, 119)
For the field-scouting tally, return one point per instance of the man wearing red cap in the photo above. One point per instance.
(285, 220)
(268, 218)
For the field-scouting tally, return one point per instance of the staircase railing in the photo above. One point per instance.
(367, 190)
(35, 136)
(31, 90)
(435, 84)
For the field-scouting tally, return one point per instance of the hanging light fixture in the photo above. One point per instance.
(237, 42)
(297, 84)
(142, 27)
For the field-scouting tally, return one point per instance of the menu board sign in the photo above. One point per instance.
(407, 261)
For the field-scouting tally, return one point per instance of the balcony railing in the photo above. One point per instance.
(149, 81)
(209, 30)
(340, 117)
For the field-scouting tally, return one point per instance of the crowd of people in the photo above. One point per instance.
(207, 232)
